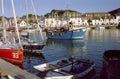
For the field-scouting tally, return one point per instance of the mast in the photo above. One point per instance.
(37, 20)
(26, 12)
(16, 25)
(3, 24)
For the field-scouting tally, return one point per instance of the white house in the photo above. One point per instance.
(106, 21)
(22, 24)
(93, 22)
(117, 19)
(101, 21)
(85, 22)
(50, 22)
(76, 21)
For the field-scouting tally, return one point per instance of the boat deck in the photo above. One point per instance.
(64, 63)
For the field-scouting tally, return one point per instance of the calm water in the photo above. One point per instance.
(92, 47)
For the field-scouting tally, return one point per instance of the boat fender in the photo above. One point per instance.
(19, 52)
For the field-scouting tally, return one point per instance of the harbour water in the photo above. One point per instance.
(92, 46)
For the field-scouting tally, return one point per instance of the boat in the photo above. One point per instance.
(65, 32)
(111, 64)
(8, 50)
(111, 55)
(66, 68)
(30, 45)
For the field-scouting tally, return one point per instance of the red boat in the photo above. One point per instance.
(10, 50)
(11, 54)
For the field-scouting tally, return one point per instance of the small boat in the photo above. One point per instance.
(30, 45)
(111, 64)
(9, 50)
(65, 33)
(111, 55)
(66, 68)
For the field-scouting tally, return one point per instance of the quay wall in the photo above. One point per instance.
(9, 70)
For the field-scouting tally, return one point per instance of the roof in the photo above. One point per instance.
(115, 12)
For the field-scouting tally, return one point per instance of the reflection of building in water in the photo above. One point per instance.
(71, 46)
(111, 65)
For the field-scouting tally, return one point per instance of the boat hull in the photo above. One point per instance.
(71, 34)
(71, 76)
(67, 69)
(11, 54)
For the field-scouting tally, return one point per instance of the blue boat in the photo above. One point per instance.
(66, 33)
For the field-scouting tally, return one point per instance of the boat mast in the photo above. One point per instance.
(26, 12)
(37, 20)
(67, 13)
(3, 24)
(16, 25)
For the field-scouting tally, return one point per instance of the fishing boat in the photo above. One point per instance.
(65, 32)
(8, 50)
(66, 68)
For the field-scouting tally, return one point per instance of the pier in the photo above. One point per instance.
(13, 72)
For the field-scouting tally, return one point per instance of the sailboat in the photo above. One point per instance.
(30, 45)
(8, 50)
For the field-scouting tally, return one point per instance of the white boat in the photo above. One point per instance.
(66, 68)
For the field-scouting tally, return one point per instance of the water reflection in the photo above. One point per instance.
(92, 47)
(31, 59)
(63, 48)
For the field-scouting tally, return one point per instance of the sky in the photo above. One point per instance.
(45, 6)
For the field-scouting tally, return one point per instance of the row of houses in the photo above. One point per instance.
(94, 18)
(98, 18)
(53, 22)
(79, 21)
